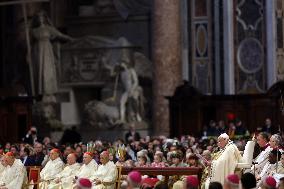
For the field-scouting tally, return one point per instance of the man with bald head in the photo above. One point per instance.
(224, 161)
(14, 174)
(53, 167)
(106, 174)
(64, 179)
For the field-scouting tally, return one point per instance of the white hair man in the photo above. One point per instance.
(65, 177)
(14, 174)
(53, 167)
(104, 177)
(89, 167)
(224, 161)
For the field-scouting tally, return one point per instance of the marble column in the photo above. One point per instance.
(271, 42)
(229, 76)
(184, 39)
(217, 45)
(166, 58)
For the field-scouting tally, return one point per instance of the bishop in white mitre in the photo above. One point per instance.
(53, 167)
(105, 176)
(65, 178)
(89, 167)
(225, 161)
(14, 174)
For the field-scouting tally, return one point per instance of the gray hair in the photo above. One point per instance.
(277, 138)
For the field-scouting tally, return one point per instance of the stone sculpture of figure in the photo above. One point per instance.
(44, 58)
(132, 93)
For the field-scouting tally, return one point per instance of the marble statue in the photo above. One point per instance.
(101, 114)
(43, 53)
(132, 93)
(125, 104)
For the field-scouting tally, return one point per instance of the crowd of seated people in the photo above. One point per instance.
(63, 164)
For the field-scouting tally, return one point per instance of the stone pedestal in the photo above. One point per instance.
(167, 60)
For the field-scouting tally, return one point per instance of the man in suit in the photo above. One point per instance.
(39, 155)
(26, 159)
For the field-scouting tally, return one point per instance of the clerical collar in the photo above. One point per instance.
(264, 147)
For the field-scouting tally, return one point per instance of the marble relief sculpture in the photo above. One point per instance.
(123, 100)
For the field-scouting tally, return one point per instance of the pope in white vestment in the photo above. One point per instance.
(225, 161)
(65, 178)
(53, 167)
(105, 176)
(13, 175)
(89, 167)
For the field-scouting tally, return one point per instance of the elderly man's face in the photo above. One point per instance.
(71, 159)
(222, 142)
(87, 159)
(273, 142)
(53, 155)
(261, 141)
(38, 147)
(104, 158)
(9, 160)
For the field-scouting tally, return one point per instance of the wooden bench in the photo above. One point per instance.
(165, 171)
(33, 172)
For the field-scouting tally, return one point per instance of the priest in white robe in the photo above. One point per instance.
(262, 158)
(65, 178)
(53, 167)
(224, 161)
(89, 167)
(270, 167)
(3, 165)
(105, 176)
(13, 175)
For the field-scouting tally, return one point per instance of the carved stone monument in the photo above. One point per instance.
(113, 68)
